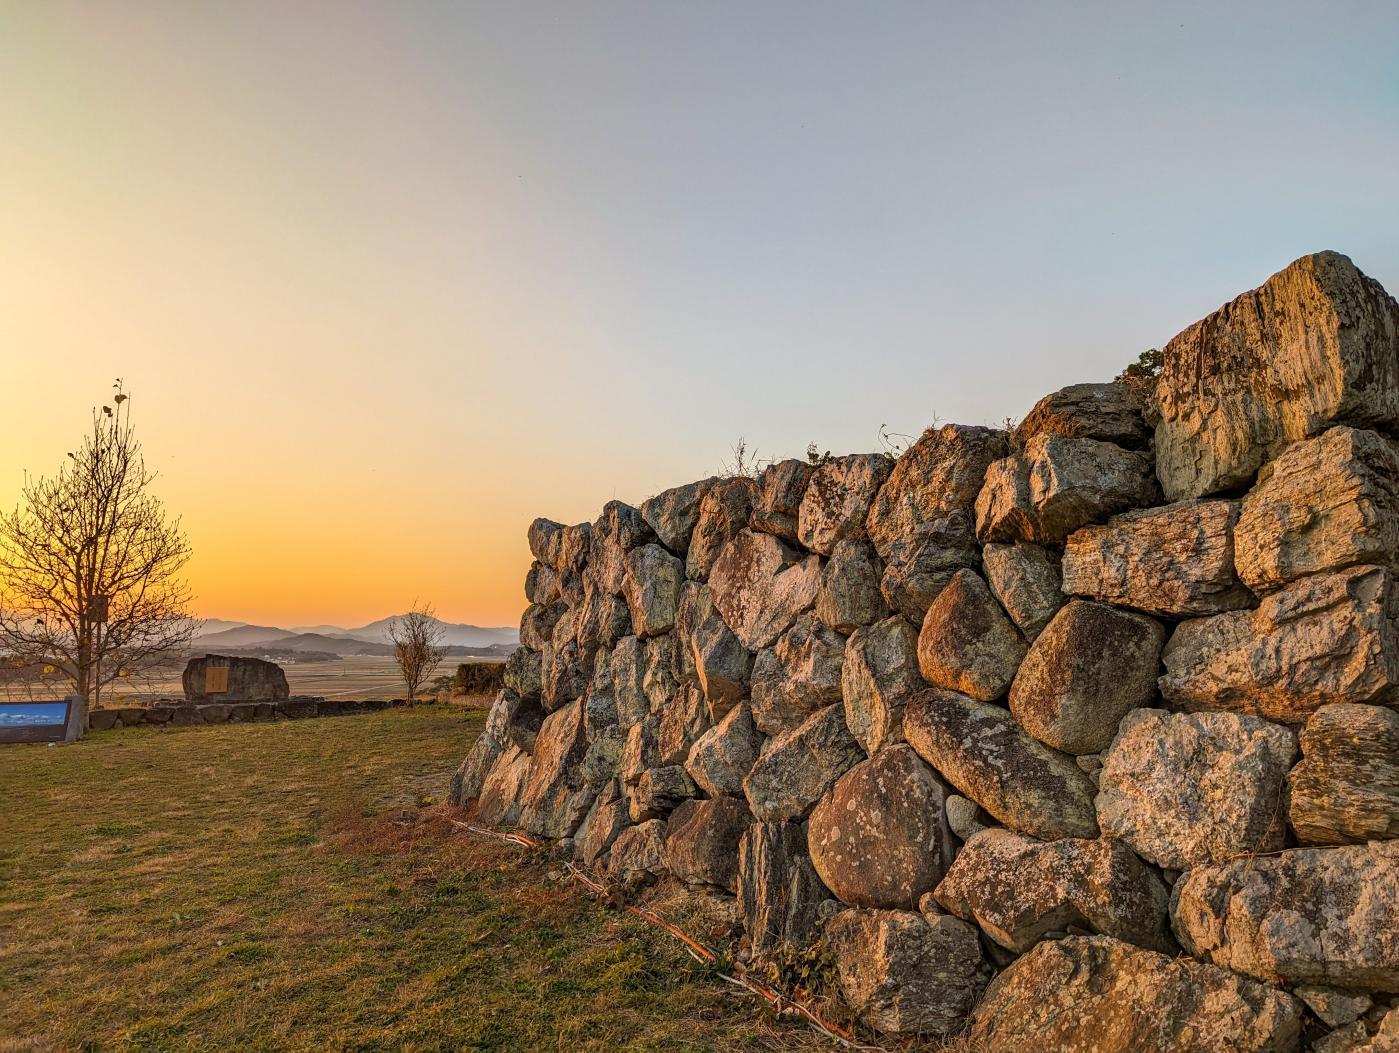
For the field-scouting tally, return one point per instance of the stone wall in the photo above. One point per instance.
(295, 708)
(1077, 736)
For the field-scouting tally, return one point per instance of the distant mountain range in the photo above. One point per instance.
(215, 633)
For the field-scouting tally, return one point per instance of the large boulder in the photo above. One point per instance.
(660, 791)
(800, 765)
(673, 513)
(608, 817)
(722, 757)
(838, 498)
(1303, 916)
(543, 537)
(510, 720)
(1323, 639)
(640, 751)
(1020, 891)
(1106, 412)
(543, 584)
(907, 974)
(555, 799)
(797, 676)
(683, 721)
(657, 681)
(638, 855)
(783, 486)
(627, 667)
(722, 665)
(1094, 994)
(702, 841)
(967, 643)
(617, 531)
(921, 522)
(537, 624)
(1317, 344)
(778, 890)
(1176, 561)
(760, 585)
(982, 751)
(1025, 580)
(501, 790)
(1346, 788)
(651, 583)
(1056, 485)
(1085, 672)
(879, 837)
(219, 678)
(524, 673)
(849, 596)
(724, 510)
(1325, 503)
(877, 676)
(1185, 789)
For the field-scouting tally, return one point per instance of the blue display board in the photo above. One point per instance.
(34, 721)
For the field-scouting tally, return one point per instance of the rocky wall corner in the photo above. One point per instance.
(1095, 714)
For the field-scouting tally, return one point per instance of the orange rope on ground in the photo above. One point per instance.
(780, 1003)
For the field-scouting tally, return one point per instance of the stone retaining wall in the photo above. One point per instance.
(1074, 736)
(235, 712)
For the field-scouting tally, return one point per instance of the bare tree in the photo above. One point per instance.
(417, 646)
(91, 569)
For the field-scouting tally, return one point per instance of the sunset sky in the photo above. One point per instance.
(388, 280)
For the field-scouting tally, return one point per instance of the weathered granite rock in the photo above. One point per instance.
(778, 890)
(687, 614)
(638, 855)
(783, 487)
(904, 973)
(1332, 1006)
(510, 720)
(523, 673)
(607, 819)
(565, 671)
(879, 837)
(1323, 639)
(1094, 994)
(797, 676)
(555, 799)
(1024, 578)
(1307, 915)
(651, 583)
(657, 682)
(640, 751)
(801, 765)
(1085, 672)
(600, 700)
(722, 757)
(1176, 561)
(575, 542)
(673, 513)
(659, 791)
(537, 624)
(543, 584)
(838, 498)
(1020, 891)
(249, 680)
(1185, 789)
(602, 620)
(981, 751)
(617, 531)
(965, 818)
(1346, 788)
(543, 536)
(849, 596)
(723, 666)
(939, 474)
(878, 674)
(1325, 503)
(499, 801)
(967, 643)
(603, 760)
(917, 573)
(759, 586)
(1106, 412)
(627, 666)
(1057, 485)
(702, 841)
(1316, 344)
(724, 510)
(683, 721)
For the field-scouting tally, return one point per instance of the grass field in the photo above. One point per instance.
(286, 886)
